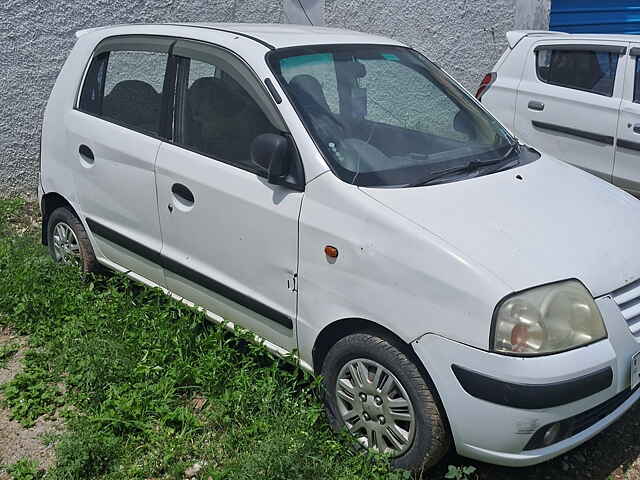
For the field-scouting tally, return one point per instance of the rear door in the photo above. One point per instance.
(114, 136)
(230, 238)
(626, 172)
(568, 101)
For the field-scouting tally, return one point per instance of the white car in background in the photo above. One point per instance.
(573, 96)
(342, 197)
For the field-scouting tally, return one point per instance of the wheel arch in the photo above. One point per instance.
(338, 329)
(50, 202)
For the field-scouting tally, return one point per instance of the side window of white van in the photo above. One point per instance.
(126, 87)
(580, 68)
(636, 81)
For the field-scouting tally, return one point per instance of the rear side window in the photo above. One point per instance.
(126, 87)
(580, 69)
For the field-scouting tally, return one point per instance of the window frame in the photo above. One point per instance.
(170, 98)
(620, 50)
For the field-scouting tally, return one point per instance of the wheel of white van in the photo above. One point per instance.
(375, 391)
(68, 241)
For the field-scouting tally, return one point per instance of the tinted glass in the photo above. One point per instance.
(219, 118)
(636, 82)
(396, 119)
(586, 70)
(126, 87)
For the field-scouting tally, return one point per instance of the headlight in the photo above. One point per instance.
(547, 319)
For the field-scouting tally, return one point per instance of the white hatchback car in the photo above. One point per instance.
(342, 197)
(576, 97)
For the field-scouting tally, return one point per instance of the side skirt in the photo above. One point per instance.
(271, 347)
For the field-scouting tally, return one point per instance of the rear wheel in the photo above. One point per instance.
(375, 391)
(68, 241)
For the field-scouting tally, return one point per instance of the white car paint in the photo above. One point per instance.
(517, 84)
(504, 232)
(231, 248)
(429, 264)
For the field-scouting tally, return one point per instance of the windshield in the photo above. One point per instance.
(387, 116)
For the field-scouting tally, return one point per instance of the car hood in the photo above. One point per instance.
(539, 223)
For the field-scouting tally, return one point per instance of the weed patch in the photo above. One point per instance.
(127, 363)
(6, 352)
(30, 395)
(25, 469)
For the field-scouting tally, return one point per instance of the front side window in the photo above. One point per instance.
(126, 87)
(217, 115)
(581, 69)
(386, 116)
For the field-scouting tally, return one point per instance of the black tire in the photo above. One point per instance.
(431, 439)
(87, 259)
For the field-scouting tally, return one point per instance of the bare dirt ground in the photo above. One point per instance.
(17, 442)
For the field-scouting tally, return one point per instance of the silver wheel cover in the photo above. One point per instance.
(375, 407)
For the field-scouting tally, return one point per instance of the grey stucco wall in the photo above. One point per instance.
(464, 36)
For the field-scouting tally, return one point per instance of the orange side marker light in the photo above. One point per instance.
(331, 252)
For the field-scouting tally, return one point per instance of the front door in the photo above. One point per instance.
(568, 101)
(230, 239)
(626, 172)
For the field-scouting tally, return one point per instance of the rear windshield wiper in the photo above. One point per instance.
(470, 166)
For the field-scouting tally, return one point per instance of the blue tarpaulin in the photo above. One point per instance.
(595, 16)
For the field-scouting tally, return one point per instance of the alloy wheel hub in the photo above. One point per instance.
(65, 244)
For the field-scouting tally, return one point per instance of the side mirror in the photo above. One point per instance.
(270, 153)
(462, 123)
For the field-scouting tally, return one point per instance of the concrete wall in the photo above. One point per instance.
(464, 36)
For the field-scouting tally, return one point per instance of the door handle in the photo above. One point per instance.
(535, 105)
(86, 153)
(183, 194)
(636, 128)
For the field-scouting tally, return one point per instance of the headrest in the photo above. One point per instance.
(214, 97)
(308, 91)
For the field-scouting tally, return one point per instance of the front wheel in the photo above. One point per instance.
(375, 391)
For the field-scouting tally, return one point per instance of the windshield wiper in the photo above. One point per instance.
(468, 167)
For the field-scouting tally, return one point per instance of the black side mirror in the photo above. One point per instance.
(270, 153)
(463, 123)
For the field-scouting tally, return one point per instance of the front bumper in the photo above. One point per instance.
(492, 429)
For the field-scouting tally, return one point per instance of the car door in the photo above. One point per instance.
(114, 136)
(230, 238)
(626, 171)
(568, 100)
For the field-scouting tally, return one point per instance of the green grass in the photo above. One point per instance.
(25, 469)
(6, 352)
(123, 363)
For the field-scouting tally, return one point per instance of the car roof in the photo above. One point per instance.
(515, 36)
(270, 35)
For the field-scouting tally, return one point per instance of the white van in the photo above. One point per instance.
(573, 96)
(342, 197)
